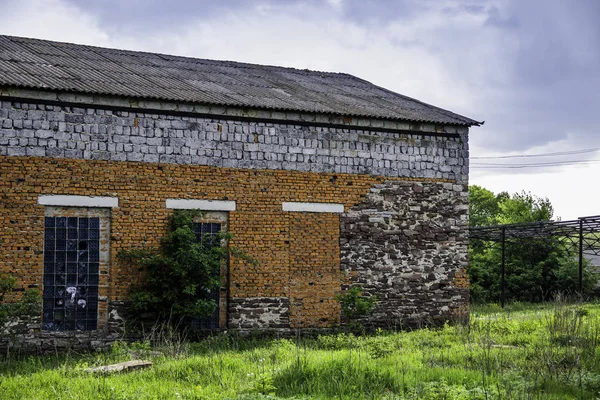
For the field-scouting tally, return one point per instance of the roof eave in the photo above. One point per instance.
(468, 122)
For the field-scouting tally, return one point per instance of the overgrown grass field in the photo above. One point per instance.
(547, 351)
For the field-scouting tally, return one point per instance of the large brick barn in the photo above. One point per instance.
(325, 179)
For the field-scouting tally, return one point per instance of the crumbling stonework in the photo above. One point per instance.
(27, 335)
(406, 243)
(260, 313)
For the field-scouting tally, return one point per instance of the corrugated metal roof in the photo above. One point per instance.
(43, 64)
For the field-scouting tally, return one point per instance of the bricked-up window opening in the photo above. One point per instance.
(71, 273)
(206, 233)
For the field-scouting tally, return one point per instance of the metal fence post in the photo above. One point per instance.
(581, 257)
(503, 281)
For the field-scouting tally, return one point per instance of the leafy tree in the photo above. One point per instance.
(483, 206)
(523, 207)
(486, 208)
(536, 269)
(180, 276)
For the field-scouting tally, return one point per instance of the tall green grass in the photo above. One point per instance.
(522, 352)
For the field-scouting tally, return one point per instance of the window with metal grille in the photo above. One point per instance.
(206, 233)
(71, 273)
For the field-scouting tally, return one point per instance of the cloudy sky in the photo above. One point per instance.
(529, 68)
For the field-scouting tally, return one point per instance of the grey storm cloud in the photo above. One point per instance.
(148, 15)
(554, 91)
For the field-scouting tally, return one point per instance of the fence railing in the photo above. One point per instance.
(580, 236)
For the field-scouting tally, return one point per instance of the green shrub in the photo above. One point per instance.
(337, 342)
(180, 276)
(355, 306)
(28, 305)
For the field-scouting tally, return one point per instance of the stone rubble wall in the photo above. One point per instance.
(25, 335)
(259, 313)
(406, 243)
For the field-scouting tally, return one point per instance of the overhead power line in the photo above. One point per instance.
(559, 153)
(533, 165)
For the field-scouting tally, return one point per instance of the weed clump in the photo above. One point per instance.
(356, 307)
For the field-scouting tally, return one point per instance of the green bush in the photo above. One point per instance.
(180, 276)
(28, 305)
(355, 306)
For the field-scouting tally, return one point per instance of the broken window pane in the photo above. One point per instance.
(71, 254)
